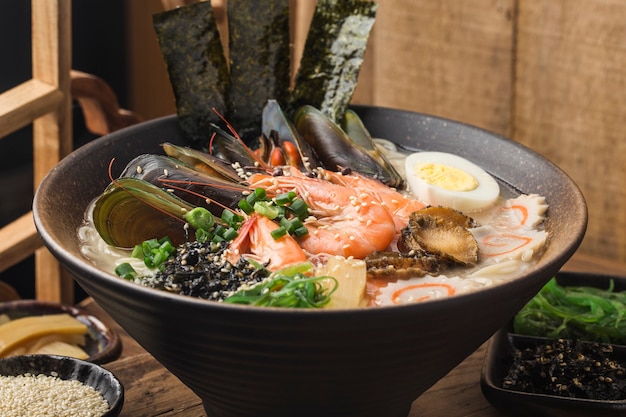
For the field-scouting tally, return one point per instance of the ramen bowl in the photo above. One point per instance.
(243, 360)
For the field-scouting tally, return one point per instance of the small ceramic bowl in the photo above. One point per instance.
(499, 359)
(103, 344)
(65, 368)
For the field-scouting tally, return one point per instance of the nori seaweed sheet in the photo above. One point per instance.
(333, 55)
(197, 68)
(259, 55)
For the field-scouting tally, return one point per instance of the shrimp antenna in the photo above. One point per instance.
(170, 184)
(236, 135)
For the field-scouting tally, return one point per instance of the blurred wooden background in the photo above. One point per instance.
(550, 74)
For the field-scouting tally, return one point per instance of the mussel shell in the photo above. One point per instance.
(356, 130)
(202, 161)
(131, 211)
(274, 120)
(335, 148)
(196, 187)
(234, 150)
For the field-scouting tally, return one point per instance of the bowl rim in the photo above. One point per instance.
(545, 264)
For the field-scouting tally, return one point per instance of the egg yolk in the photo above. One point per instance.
(444, 176)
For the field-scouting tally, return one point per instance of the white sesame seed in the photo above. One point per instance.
(31, 395)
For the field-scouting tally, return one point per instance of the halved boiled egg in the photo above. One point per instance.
(444, 179)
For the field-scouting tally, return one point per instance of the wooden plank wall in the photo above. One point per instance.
(550, 74)
(570, 104)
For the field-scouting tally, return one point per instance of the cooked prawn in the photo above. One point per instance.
(344, 221)
(256, 242)
(399, 205)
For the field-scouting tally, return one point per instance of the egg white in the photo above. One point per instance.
(483, 196)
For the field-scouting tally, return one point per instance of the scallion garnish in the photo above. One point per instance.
(286, 209)
(126, 271)
(265, 208)
(200, 218)
(289, 287)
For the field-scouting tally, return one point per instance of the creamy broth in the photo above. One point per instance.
(500, 225)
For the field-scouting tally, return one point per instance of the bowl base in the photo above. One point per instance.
(308, 410)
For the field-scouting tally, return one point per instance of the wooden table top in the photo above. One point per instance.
(151, 390)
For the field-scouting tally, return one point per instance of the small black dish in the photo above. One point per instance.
(103, 344)
(67, 368)
(499, 359)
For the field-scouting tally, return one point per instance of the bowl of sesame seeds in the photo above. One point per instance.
(50, 385)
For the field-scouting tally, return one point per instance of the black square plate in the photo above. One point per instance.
(500, 357)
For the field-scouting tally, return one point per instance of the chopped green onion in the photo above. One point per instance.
(202, 235)
(230, 233)
(286, 224)
(258, 194)
(288, 287)
(278, 233)
(167, 247)
(155, 252)
(200, 218)
(231, 218)
(126, 271)
(300, 231)
(285, 198)
(266, 209)
(286, 209)
(300, 208)
(246, 206)
(137, 252)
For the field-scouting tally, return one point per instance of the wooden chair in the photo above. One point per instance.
(45, 101)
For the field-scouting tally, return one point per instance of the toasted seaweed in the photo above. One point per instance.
(259, 62)
(259, 54)
(197, 68)
(333, 55)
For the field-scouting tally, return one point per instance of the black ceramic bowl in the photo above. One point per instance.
(62, 367)
(500, 357)
(103, 344)
(244, 361)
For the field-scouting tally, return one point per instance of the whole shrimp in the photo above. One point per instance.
(255, 241)
(399, 205)
(344, 221)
